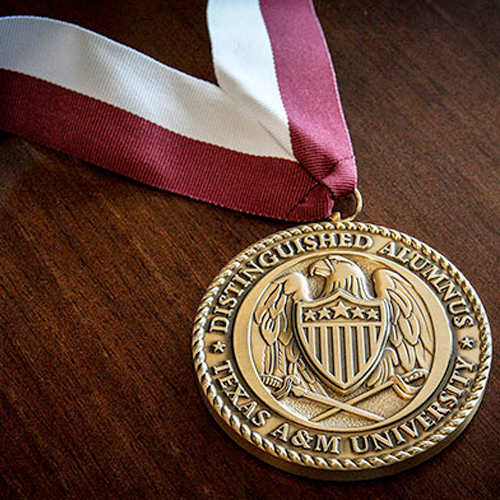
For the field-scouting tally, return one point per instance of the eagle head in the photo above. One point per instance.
(341, 274)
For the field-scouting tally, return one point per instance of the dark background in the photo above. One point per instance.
(100, 276)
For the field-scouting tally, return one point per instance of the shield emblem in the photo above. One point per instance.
(343, 337)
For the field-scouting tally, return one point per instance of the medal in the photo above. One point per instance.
(334, 349)
(341, 350)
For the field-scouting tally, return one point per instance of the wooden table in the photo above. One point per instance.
(101, 276)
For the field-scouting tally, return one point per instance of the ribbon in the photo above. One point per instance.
(270, 139)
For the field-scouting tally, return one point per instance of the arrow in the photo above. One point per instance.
(337, 405)
(398, 382)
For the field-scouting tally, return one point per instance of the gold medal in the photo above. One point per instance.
(342, 350)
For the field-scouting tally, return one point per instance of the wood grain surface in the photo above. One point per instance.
(101, 276)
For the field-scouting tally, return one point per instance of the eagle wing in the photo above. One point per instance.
(273, 315)
(274, 309)
(411, 341)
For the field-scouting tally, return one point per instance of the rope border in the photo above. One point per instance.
(311, 460)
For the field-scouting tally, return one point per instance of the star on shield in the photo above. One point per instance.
(310, 315)
(340, 310)
(357, 313)
(324, 313)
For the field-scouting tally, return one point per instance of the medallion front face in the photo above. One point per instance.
(342, 350)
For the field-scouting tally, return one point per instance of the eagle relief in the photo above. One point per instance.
(361, 335)
(342, 350)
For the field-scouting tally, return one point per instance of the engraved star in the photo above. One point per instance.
(218, 347)
(324, 313)
(372, 314)
(466, 343)
(357, 312)
(310, 315)
(340, 310)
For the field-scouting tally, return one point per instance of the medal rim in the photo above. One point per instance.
(311, 464)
